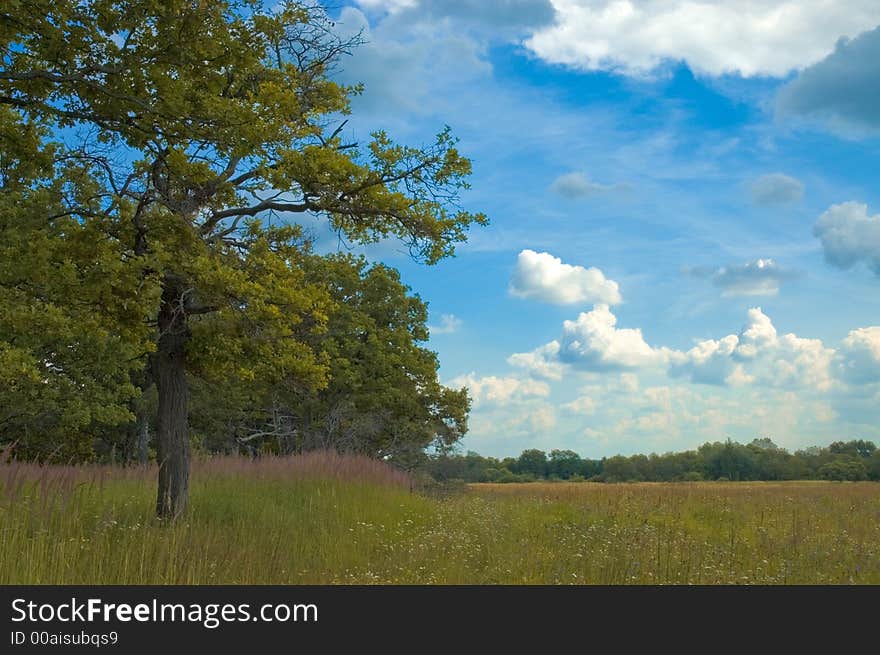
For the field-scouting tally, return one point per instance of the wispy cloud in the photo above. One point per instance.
(449, 323)
(776, 189)
(760, 277)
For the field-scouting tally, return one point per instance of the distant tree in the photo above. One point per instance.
(856, 447)
(763, 443)
(564, 464)
(844, 467)
(508, 463)
(723, 461)
(590, 468)
(620, 469)
(873, 466)
(532, 462)
(728, 460)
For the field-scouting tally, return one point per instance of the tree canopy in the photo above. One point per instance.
(155, 157)
(382, 397)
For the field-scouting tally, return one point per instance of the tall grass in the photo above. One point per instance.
(328, 518)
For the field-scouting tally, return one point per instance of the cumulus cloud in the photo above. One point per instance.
(594, 342)
(840, 90)
(541, 276)
(449, 323)
(776, 189)
(787, 385)
(849, 236)
(757, 334)
(749, 37)
(500, 428)
(652, 422)
(499, 390)
(801, 361)
(738, 377)
(542, 362)
(761, 277)
(584, 406)
(757, 355)
(708, 362)
(577, 185)
(859, 357)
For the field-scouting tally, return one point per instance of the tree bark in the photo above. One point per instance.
(169, 371)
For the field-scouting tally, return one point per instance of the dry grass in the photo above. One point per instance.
(705, 532)
(327, 518)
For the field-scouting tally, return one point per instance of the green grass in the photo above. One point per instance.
(352, 521)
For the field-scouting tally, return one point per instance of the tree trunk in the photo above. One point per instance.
(169, 371)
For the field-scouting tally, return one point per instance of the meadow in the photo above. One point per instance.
(324, 518)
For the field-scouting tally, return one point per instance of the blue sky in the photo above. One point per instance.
(685, 213)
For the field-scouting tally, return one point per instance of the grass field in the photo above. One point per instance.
(329, 519)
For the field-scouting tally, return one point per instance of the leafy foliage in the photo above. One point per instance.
(71, 304)
(382, 397)
(155, 155)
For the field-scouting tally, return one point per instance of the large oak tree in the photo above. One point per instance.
(197, 129)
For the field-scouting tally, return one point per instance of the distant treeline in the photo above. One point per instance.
(759, 460)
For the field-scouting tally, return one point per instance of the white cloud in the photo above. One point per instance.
(776, 189)
(584, 405)
(849, 236)
(623, 384)
(761, 277)
(578, 185)
(647, 423)
(661, 398)
(541, 276)
(593, 342)
(758, 333)
(840, 90)
(523, 423)
(449, 323)
(499, 390)
(709, 361)
(541, 362)
(749, 37)
(758, 355)
(738, 377)
(802, 361)
(860, 356)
